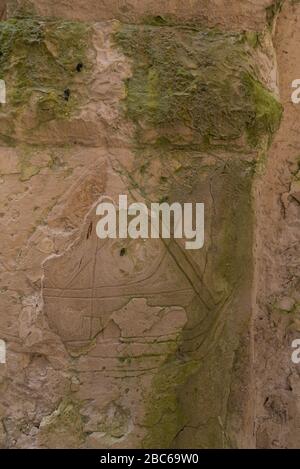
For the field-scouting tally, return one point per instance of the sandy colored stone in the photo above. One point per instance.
(233, 15)
(141, 343)
(277, 258)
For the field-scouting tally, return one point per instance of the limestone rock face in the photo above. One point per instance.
(231, 14)
(126, 343)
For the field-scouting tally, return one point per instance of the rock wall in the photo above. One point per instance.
(141, 343)
(276, 318)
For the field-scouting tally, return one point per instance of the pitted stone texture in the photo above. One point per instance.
(50, 101)
(229, 14)
(149, 348)
(277, 319)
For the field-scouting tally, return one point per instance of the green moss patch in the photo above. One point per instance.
(38, 61)
(198, 81)
(64, 427)
(268, 111)
(164, 417)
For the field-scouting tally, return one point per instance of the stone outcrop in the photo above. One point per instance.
(140, 343)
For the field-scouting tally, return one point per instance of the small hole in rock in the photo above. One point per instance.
(122, 252)
(67, 93)
(79, 66)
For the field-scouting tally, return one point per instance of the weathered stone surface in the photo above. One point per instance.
(277, 285)
(231, 14)
(134, 343)
(64, 83)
